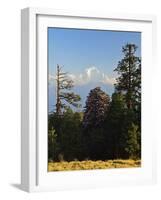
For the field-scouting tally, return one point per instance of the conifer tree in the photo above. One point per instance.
(64, 94)
(96, 107)
(132, 144)
(113, 124)
(129, 80)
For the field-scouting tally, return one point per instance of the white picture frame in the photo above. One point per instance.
(34, 175)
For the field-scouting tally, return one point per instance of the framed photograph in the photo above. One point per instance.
(86, 100)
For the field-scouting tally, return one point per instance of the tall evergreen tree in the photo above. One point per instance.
(96, 107)
(129, 85)
(113, 124)
(64, 85)
(129, 80)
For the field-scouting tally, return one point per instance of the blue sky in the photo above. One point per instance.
(89, 56)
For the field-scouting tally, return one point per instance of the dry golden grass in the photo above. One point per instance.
(89, 164)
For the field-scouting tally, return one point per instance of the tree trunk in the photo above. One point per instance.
(58, 103)
(129, 100)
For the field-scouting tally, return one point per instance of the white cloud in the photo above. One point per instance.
(91, 74)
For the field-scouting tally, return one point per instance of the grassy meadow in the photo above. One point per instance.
(89, 165)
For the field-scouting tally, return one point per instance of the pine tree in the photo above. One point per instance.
(129, 80)
(133, 146)
(96, 107)
(64, 85)
(113, 124)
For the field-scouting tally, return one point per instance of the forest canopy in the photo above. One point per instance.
(108, 127)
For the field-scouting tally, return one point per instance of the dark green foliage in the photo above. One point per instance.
(129, 80)
(70, 136)
(68, 131)
(96, 108)
(114, 125)
(53, 147)
(95, 143)
(129, 85)
(132, 142)
(107, 128)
